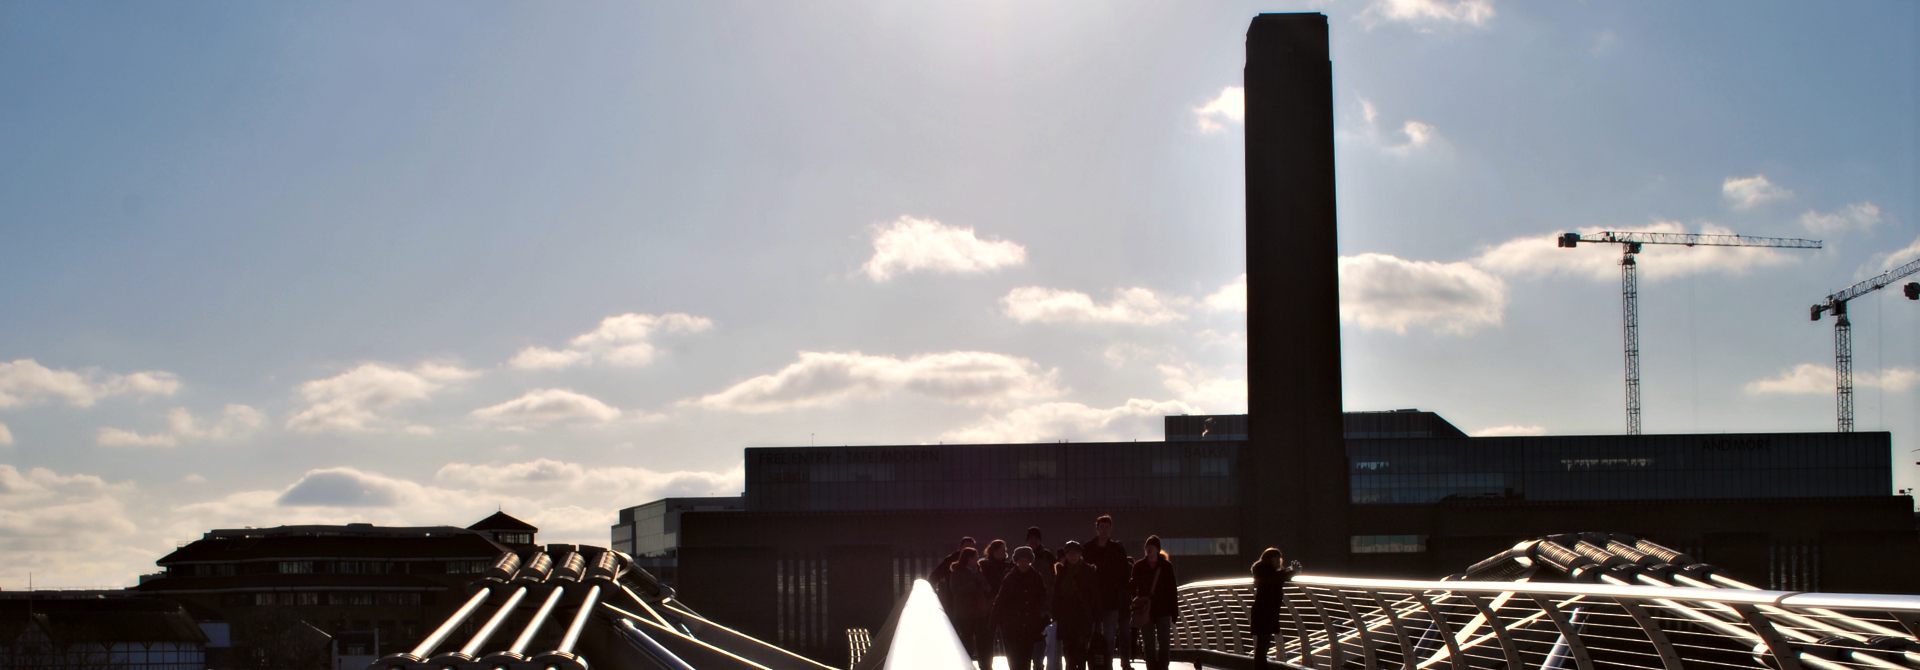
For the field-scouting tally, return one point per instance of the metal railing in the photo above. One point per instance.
(1333, 622)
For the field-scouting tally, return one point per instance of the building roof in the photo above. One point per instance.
(308, 582)
(453, 544)
(106, 620)
(502, 521)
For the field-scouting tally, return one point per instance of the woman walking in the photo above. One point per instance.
(1155, 605)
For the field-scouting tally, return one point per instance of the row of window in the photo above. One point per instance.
(1181, 492)
(316, 598)
(460, 567)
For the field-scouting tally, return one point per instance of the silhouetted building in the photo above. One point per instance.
(506, 530)
(57, 630)
(650, 533)
(294, 591)
(831, 536)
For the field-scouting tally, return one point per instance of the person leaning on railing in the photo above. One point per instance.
(1269, 595)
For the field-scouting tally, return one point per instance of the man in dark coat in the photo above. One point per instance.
(1153, 579)
(970, 604)
(1108, 556)
(1075, 586)
(1269, 596)
(1020, 612)
(938, 577)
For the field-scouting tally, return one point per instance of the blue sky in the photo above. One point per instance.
(329, 262)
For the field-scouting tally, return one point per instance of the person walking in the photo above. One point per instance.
(938, 577)
(996, 565)
(1155, 605)
(1046, 652)
(972, 603)
(1075, 587)
(1269, 595)
(1020, 611)
(1111, 569)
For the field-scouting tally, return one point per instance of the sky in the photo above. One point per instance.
(300, 262)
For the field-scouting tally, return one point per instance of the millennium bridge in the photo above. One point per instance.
(1580, 601)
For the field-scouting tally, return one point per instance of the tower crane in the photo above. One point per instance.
(1843, 332)
(1630, 287)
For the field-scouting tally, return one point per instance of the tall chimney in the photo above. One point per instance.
(1295, 488)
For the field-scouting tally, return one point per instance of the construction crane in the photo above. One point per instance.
(1843, 333)
(1630, 287)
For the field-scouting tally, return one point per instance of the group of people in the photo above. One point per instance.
(1093, 596)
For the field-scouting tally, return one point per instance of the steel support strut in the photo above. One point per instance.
(1843, 369)
(1630, 331)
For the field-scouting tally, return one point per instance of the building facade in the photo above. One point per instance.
(830, 537)
(307, 593)
(650, 533)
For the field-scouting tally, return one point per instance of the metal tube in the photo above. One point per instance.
(499, 616)
(453, 621)
(580, 619)
(660, 653)
(533, 625)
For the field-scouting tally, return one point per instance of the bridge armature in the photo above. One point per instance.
(1585, 601)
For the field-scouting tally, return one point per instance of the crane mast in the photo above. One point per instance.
(1843, 333)
(1631, 243)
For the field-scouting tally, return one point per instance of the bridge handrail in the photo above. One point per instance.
(1871, 601)
(1330, 621)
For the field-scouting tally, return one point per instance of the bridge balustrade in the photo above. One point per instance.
(1335, 622)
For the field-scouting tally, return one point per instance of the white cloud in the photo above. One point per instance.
(1136, 419)
(1382, 292)
(544, 406)
(925, 245)
(349, 487)
(1883, 262)
(827, 378)
(1230, 298)
(1750, 192)
(1539, 256)
(1412, 136)
(358, 399)
(70, 530)
(623, 339)
(235, 422)
(1816, 379)
(116, 437)
(1228, 107)
(1426, 14)
(1136, 306)
(6, 436)
(630, 482)
(1857, 216)
(26, 381)
(1419, 134)
(1207, 391)
(542, 358)
(1509, 431)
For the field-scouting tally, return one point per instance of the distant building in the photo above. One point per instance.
(97, 630)
(308, 592)
(650, 533)
(831, 536)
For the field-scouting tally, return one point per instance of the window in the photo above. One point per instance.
(466, 567)
(307, 598)
(1388, 544)
(296, 567)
